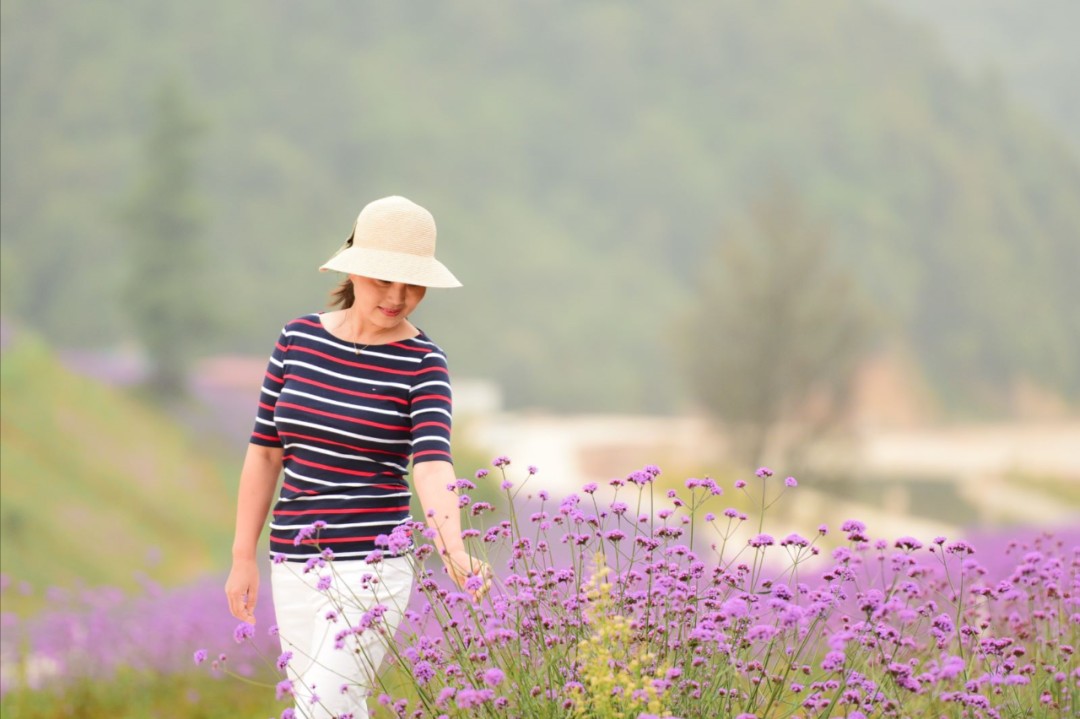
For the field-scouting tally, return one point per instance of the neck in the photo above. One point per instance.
(353, 327)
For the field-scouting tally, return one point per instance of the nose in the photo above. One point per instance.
(396, 292)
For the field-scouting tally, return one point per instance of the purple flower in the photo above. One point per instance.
(796, 540)
(532, 469)
(200, 656)
(470, 698)
(243, 631)
(283, 689)
(739, 483)
(764, 472)
(761, 540)
(283, 660)
(324, 582)
(424, 672)
(481, 473)
(589, 488)
(960, 548)
(493, 677)
(909, 543)
(500, 461)
(791, 482)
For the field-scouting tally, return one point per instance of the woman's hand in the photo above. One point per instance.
(461, 565)
(242, 589)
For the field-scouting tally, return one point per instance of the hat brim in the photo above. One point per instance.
(391, 267)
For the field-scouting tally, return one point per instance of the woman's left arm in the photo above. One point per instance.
(431, 480)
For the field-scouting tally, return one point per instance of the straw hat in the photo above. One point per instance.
(394, 240)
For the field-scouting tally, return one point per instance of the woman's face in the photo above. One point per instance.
(385, 304)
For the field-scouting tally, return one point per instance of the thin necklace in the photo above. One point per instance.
(356, 348)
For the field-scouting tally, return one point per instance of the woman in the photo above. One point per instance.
(349, 397)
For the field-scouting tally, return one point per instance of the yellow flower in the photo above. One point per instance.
(615, 670)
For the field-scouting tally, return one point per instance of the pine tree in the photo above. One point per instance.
(164, 223)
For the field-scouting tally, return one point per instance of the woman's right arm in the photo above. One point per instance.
(258, 479)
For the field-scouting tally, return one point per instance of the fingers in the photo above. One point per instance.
(242, 604)
(464, 567)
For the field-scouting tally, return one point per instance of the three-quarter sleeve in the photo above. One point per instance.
(265, 432)
(431, 410)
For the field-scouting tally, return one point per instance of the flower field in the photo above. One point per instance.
(621, 601)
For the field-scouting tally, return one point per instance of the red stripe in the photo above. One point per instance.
(425, 350)
(353, 392)
(276, 379)
(365, 510)
(431, 424)
(288, 486)
(354, 472)
(441, 397)
(335, 540)
(309, 323)
(431, 451)
(361, 365)
(342, 444)
(265, 436)
(264, 405)
(323, 413)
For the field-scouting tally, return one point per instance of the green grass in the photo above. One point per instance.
(98, 487)
(142, 696)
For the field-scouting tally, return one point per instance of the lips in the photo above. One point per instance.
(390, 313)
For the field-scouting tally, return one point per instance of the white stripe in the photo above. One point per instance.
(438, 410)
(295, 475)
(429, 438)
(267, 422)
(433, 383)
(368, 351)
(350, 525)
(317, 497)
(271, 393)
(347, 405)
(356, 457)
(277, 362)
(338, 375)
(332, 430)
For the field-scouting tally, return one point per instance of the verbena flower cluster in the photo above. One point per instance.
(651, 605)
(93, 634)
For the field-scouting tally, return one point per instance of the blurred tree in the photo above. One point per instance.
(776, 331)
(163, 222)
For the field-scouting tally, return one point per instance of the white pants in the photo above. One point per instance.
(309, 621)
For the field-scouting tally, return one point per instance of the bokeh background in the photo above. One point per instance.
(841, 238)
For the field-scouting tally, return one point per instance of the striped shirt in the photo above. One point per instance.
(348, 424)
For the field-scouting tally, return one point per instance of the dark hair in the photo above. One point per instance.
(343, 295)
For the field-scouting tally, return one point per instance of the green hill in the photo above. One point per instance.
(582, 158)
(97, 488)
